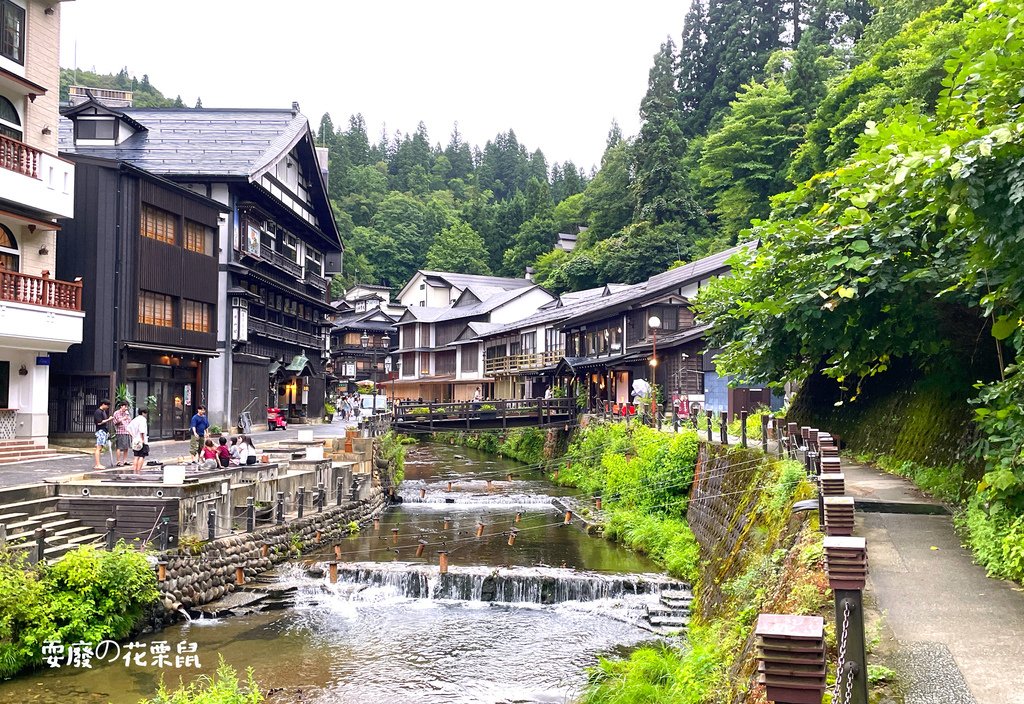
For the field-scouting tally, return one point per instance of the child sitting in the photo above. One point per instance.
(209, 455)
(223, 453)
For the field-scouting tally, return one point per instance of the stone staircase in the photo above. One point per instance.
(19, 521)
(672, 614)
(20, 450)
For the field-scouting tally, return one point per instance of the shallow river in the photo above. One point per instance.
(371, 640)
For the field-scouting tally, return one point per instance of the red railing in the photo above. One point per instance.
(40, 291)
(17, 156)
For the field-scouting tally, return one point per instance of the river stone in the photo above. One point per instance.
(315, 573)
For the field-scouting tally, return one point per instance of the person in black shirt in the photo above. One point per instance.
(103, 420)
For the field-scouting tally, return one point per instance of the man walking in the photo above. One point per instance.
(122, 417)
(138, 431)
(200, 425)
(103, 420)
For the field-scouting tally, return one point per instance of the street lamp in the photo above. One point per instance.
(654, 323)
(385, 342)
(365, 342)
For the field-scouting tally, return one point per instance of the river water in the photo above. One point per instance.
(393, 630)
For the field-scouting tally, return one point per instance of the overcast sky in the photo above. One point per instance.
(557, 72)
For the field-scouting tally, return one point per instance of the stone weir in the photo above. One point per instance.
(535, 585)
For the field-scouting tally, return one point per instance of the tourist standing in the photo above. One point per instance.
(102, 420)
(122, 441)
(138, 431)
(199, 427)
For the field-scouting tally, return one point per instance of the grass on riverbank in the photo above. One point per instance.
(525, 445)
(223, 687)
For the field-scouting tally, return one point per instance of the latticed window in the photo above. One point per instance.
(156, 309)
(159, 224)
(195, 316)
(198, 238)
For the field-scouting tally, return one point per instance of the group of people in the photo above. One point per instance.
(209, 454)
(349, 406)
(130, 434)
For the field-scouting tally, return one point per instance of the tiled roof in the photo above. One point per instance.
(204, 141)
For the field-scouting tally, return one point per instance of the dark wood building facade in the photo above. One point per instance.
(145, 249)
(272, 255)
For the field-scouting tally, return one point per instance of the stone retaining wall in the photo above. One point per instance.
(194, 580)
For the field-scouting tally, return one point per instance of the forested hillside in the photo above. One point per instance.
(143, 93)
(404, 203)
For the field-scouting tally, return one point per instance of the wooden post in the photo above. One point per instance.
(479, 530)
(743, 428)
(111, 525)
(250, 514)
(442, 559)
(3, 536)
(519, 516)
(280, 507)
(764, 433)
(339, 489)
(394, 536)
(423, 493)
(337, 552)
(161, 571)
(264, 550)
(723, 429)
(709, 426)
(332, 568)
(300, 500)
(846, 565)
(512, 537)
(239, 576)
(568, 517)
(211, 524)
(419, 548)
(376, 522)
(447, 522)
(449, 486)
(321, 496)
(597, 503)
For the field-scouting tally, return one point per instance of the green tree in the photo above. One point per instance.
(745, 161)
(458, 249)
(608, 201)
(536, 237)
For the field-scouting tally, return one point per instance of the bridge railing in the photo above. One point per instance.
(544, 410)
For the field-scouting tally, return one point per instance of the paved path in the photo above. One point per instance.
(33, 471)
(939, 605)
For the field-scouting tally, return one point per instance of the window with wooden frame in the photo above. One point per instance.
(198, 237)
(156, 309)
(195, 316)
(12, 31)
(159, 224)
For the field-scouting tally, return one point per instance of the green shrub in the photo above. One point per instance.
(488, 407)
(997, 541)
(222, 688)
(525, 445)
(667, 541)
(392, 449)
(419, 411)
(90, 595)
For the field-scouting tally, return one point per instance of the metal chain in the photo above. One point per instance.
(842, 660)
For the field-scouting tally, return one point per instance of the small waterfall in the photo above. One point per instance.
(515, 585)
(185, 614)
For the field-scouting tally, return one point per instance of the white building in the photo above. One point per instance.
(441, 357)
(38, 314)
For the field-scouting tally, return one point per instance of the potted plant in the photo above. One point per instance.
(488, 410)
(329, 411)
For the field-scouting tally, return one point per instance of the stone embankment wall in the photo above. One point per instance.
(197, 579)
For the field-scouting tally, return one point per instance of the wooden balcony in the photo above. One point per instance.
(40, 291)
(280, 261)
(316, 281)
(511, 364)
(19, 157)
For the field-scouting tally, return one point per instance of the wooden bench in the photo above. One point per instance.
(182, 433)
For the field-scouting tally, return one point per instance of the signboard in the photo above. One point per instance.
(188, 395)
(252, 240)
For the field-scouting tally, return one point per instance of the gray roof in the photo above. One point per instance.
(481, 286)
(204, 141)
(553, 314)
(660, 283)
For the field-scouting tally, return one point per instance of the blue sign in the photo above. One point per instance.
(42, 361)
